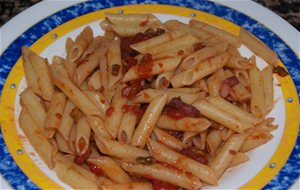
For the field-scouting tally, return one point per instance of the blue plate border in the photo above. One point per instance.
(8, 168)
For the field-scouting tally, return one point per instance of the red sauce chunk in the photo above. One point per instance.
(115, 69)
(133, 88)
(127, 51)
(133, 109)
(110, 111)
(161, 185)
(195, 155)
(95, 169)
(81, 159)
(144, 68)
(129, 62)
(178, 109)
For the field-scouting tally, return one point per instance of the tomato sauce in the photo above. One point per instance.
(127, 53)
(133, 109)
(132, 89)
(110, 111)
(178, 109)
(144, 68)
(81, 159)
(195, 155)
(95, 169)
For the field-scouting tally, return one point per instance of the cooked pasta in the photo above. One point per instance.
(147, 104)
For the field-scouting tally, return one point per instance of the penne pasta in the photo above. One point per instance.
(233, 110)
(66, 121)
(164, 154)
(238, 62)
(39, 142)
(199, 71)
(83, 132)
(55, 112)
(69, 44)
(157, 67)
(114, 64)
(131, 24)
(241, 92)
(85, 69)
(98, 128)
(257, 91)
(175, 25)
(41, 70)
(61, 80)
(148, 95)
(225, 155)
(256, 139)
(184, 51)
(77, 177)
(202, 55)
(188, 137)
(167, 139)
(163, 173)
(111, 169)
(214, 85)
(30, 75)
(267, 77)
(34, 107)
(238, 159)
(174, 43)
(184, 124)
(146, 46)
(127, 126)
(214, 113)
(114, 113)
(81, 43)
(119, 150)
(99, 101)
(232, 39)
(62, 144)
(186, 91)
(94, 82)
(148, 121)
(163, 80)
(255, 45)
(93, 46)
(213, 140)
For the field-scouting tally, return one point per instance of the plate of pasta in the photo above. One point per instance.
(150, 97)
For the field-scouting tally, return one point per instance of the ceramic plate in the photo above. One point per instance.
(271, 165)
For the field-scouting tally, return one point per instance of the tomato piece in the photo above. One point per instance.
(81, 159)
(94, 168)
(161, 185)
(132, 89)
(177, 109)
